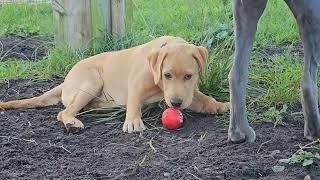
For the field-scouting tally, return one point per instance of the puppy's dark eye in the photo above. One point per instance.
(187, 77)
(168, 76)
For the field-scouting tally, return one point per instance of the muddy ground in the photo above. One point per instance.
(31, 48)
(33, 145)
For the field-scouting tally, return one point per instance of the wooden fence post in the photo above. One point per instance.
(121, 13)
(72, 23)
(100, 20)
(78, 23)
(118, 16)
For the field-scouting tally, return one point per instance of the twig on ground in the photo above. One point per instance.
(65, 149)
(143, 160)
(196, 177)
(312, 147)
(262, 145)
(20, 139)
(151, 146)
(61, 146)
(309, 146)
(202, 137)
(311, 143)
(164, 156)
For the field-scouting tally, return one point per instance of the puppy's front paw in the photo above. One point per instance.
(214, 107)
(133, 125)
(223, 107)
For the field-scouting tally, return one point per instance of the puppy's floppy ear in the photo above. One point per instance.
(155, 63)
(202, 57)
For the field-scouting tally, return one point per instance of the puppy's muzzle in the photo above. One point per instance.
(176, 102)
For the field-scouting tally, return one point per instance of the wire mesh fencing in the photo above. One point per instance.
(23, 1)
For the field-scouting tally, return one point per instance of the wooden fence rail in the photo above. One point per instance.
(78, 23)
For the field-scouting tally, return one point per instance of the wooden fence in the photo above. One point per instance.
(78, 22)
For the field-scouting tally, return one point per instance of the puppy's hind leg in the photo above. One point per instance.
(80, 98)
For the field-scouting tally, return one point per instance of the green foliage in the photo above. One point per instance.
(26, 19)
(302, 157)
(184, 18)
(305, 156)
(58, 62)
(274, 115)
(278, 168)
(276, 81)
(215, 80)
(273, 30)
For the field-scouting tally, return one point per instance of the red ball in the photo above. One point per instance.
(172, 118)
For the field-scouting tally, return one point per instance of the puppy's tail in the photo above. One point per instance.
(49, 98)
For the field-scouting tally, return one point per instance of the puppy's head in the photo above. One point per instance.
(176, 68)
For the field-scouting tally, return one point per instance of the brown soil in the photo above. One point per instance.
(24, 48)
(33, 145)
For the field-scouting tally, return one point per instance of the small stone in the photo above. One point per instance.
(58, 138)
(1, 112)
(166, 174)
(294, 137)
(275, 152)
(207, 169)
(307, 177)
(219, 177)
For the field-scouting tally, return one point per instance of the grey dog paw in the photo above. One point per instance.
(240, 135)
(312, 131)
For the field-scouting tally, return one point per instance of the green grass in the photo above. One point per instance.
(184, 18)
(277, 25)
(25, 19)
(58, 62)
(278, 80)
(273, 80)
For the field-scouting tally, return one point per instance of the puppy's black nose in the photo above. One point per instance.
(176, 102)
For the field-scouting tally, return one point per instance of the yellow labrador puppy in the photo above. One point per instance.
(165, 68)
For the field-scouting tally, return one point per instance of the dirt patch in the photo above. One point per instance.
(295, 49)
(33, 145)
(24, 48)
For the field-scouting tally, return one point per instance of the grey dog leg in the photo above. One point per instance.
(246, 15)
(307, 14)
